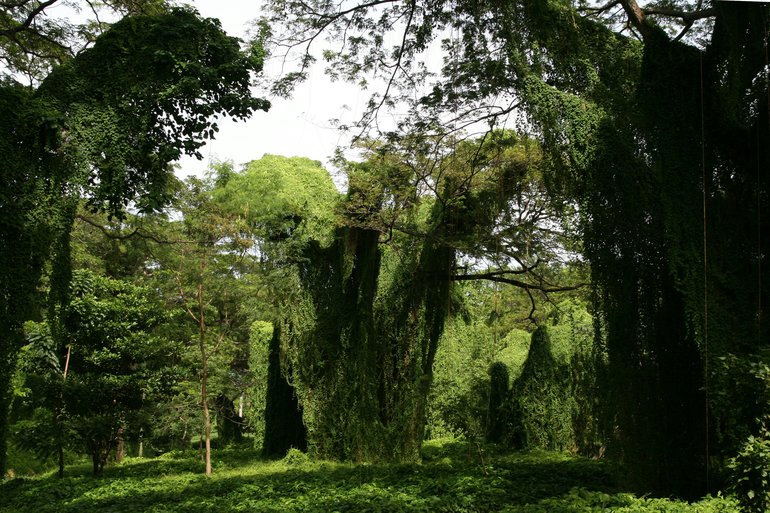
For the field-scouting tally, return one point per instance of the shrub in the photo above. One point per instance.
(750, 474)
(295, 458)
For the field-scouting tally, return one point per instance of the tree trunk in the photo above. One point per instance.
(99, 454)
(284, 427)
(60, 415)
(119, 446)
(229, 423)
(60, 450)
(204, 381)
(10, 343)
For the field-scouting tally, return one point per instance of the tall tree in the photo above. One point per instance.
(285, 204)
(655, 120)
(377, 298)
(107, 124)
(204, 261)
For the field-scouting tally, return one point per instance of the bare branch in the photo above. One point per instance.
(595, 11)
(636, 17)
(531, 315)
(184, 299)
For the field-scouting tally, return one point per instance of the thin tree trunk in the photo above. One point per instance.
(60, 416)
(61, 460)
(204, 381)
(119, 446)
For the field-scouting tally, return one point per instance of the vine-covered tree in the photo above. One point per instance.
(654, 119)
(285, 205)
(378, 297)
(540, 409)
(106, 124)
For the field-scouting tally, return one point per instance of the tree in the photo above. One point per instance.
(376, 300)
(205, 255)
(116, 362)
(107, 124)
(146, 93)
(648, 116)
(33, 40)
(91, 396)
(286, 205)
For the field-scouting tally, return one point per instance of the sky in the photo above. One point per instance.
(299, 126)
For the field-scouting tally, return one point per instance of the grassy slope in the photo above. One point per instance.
(453, 478)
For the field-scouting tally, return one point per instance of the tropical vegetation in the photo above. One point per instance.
(540, 289)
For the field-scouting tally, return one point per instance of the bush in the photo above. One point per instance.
(750, 474)
(295, 458)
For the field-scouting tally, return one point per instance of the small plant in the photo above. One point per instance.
(295, 458)
(750, 473)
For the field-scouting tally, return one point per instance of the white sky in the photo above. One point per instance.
(298, 126)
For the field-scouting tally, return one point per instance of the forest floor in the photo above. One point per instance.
(454, 477)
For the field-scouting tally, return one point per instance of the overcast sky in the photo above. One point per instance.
(295, 127)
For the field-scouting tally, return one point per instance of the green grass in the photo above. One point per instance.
(453, 478)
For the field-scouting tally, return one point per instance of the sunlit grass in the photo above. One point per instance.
(455, 477)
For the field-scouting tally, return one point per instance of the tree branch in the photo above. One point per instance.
(594, 11)
(184, 299)
(136, 232)
(396, 66)
(27, 23)
(686, 16)
(636, 17)
(494, 276)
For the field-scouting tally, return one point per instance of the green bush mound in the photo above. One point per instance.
(454, 477)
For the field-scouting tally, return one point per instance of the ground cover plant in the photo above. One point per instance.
(454, 477)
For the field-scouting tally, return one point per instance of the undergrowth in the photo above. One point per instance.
(454, 477)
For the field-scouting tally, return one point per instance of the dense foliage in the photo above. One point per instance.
(590, 282)
(654, 121)
(105, 124)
